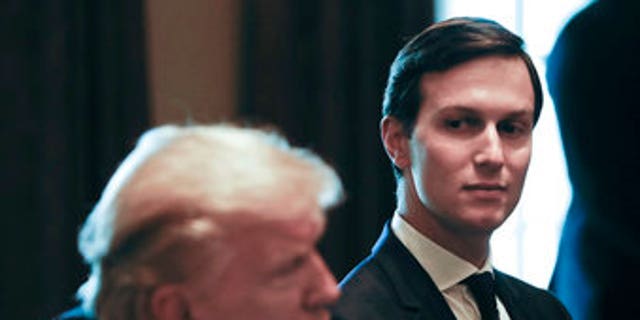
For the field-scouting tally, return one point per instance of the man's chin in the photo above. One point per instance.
(485, 221)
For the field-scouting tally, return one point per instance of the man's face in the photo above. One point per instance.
(471, 144)
(274, 272)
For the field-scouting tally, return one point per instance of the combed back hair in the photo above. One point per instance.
(168, 249)
(160, 216)
(441, 47)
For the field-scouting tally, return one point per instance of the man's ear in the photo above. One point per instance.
(167, 303)
(395, 141)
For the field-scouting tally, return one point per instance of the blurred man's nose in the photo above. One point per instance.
(489, 154)
(323, 289)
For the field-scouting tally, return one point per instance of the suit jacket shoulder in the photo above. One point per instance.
(390, 284)
(74, 314)
(524, 301)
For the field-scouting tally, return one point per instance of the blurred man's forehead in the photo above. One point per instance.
(265, 245)
(302, 225)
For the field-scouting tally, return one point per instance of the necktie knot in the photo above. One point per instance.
(482, 288)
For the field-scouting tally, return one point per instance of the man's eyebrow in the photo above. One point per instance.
(520, 114)
(460, 109)
(475, 111)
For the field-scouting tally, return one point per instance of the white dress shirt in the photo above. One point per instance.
(445, 269)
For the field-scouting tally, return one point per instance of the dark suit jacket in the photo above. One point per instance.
(390, 284)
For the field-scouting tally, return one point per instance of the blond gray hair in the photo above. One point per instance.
(170, 196)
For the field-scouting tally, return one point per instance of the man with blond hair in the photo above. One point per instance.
(210, 222)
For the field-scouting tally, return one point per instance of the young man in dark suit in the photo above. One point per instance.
(460, 105)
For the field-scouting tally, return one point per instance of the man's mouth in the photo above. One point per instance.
(486, 191)
(485, 186)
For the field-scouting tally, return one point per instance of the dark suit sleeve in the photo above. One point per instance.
(365, 295)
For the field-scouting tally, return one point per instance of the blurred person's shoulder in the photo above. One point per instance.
(74, 314)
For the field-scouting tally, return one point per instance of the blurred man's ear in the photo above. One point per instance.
(167, 303)
(395, 141)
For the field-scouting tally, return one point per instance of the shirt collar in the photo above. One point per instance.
(445, 268)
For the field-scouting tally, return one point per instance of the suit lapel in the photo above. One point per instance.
(420, 297)
(509, 297)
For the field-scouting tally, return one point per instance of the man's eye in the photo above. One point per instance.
(507, 128)
(292, 265)
(461, 123)
(455, 124)
(512, 128)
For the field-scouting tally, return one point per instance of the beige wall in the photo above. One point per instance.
(192, 49)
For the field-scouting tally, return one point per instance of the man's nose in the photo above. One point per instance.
(323, 291)
(490, 151)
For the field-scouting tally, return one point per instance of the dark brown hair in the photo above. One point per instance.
(443, 46)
